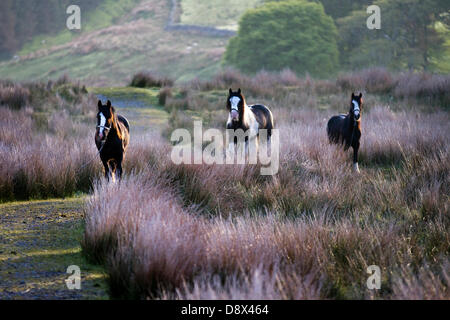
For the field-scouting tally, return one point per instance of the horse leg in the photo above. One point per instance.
(268, 142)
(119, 170)
(355, 157)
(113, 165)
(229, 153)
(252, 149)
(106, 166)
(246, 150)
(241, 154)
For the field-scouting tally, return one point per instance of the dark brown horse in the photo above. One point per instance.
(111, 137)
(346, 129)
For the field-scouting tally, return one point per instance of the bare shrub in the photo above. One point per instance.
(14, 95)
(373, 80)
(42, 165)
(427, 87)
(411, 86)
(160, 218)
(164, 93)
(46, 154)
(259, 285)
(422, 285)
(149, 80)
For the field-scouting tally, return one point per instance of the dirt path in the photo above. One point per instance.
(40, 239)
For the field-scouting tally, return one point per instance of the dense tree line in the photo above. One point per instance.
(20, 20)
(408, 38)
(412, 36)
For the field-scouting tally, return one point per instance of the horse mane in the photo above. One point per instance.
(244, 105)
(243, 98)
(115, 124)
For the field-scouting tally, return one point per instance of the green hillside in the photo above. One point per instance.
(108, 13)
(117, 40)
(216, 13)
(122, 37)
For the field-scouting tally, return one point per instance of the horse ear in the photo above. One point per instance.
(108, 104)
(231, 92)
(360, 95)
(99, 104)
(353, 95)
(239, 91)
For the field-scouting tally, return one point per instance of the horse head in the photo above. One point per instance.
(106, 121)
(356, 106)
(235, 105)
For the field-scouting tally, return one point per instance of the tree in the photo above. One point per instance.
(20, 20)
(294, 34)
(342, 8)
(407, 39)
(7, 32)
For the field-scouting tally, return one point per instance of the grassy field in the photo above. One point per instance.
(225, 232)
(210, 231)
(170, 231)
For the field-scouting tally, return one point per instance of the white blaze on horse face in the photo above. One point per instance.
(356, 109)
(102, 123)
(234, 101)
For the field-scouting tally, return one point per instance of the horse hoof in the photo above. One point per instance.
(356, 168)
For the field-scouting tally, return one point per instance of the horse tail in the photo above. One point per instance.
(270, 125)
(125, 122)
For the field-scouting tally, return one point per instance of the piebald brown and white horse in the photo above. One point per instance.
(346, 129)
(251, 118)
(111, 138)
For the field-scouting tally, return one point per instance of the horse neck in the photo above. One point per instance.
(358, 123)
(353, 124)
(115, 126)
(245, 113)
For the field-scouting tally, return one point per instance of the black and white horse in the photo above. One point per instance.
(250, 119)
(111, 138)
(346, 129)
